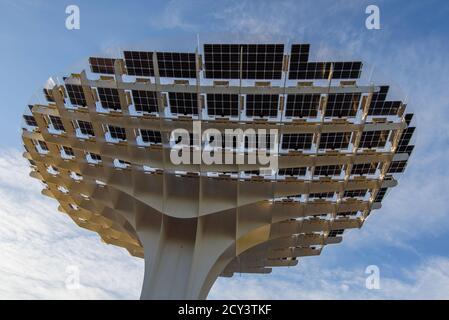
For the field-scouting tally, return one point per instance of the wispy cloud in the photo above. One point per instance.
(174, 16)
(39, 243)
(429, 280)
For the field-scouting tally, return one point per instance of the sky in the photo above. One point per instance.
(407, 239)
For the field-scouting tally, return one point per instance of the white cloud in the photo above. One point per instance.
(309, 280)
(38, 243)
(173, 16)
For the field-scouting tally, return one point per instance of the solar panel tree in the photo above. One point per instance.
(102, 142)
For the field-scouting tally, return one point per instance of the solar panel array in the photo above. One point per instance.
(139, 63)
(342, 104)
(380, 107)
(170, 64)
(145, 101)
(335, 233)
(76, 95)
(397, 167)
(302, 69)
(57, 123)
(232, 61)
(330, 170)
(364, 168)
(185, 103)
(86, 128)
(176, 64)
(301, 171)
(30, 120)
(355, 193)
(297, 141)
(109, 98)
(221, 104)
(151, 136)
(326, 170)
(262, 105)
(246, 61)
(374, 139)
(102, 65)
(302, 105)
(380, 194)
(335, 140)
(322, 195)
(117, 132)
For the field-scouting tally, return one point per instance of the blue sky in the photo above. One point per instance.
(407, 239)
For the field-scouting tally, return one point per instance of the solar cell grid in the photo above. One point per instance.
(183, 103)
(301, 171)
(406, 136)
(384, 108)
(299, 53)
(302, 105)
(258, 61)
(364, 168)
(302, 69)
(347, 70)
(374, 139)
(322, 195)
(334, 233)
(102, 65)
(335, 140)
(397, 166)
(262, 105)
(145, 101)
(176, 64)
(355, 193)
(109, 98)
(117, 132)
(76, 95)
(405, 149)
(297, 141)
(151, 136)
(342, 105)
(139, 63)
(86, 128)
(309, 70)
(380, 107)
(328, 170)
(220, 104)
(57, 123)
(408, 118)
(30, 120)
(380, 194)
